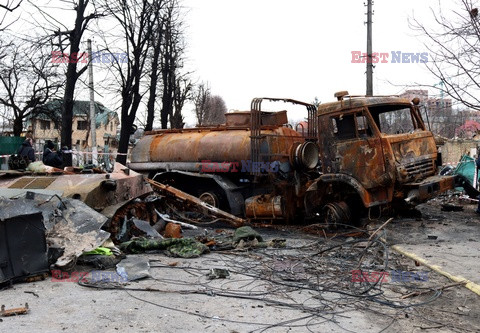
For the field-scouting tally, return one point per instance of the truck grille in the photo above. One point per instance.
(419, 169)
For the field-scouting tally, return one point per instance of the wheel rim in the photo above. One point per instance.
(210, 198)
(335, 213)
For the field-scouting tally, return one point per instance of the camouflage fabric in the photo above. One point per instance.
(177, 247)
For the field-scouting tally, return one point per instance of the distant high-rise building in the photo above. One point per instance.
(440, 115)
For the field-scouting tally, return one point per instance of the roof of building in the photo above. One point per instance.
(80, 108)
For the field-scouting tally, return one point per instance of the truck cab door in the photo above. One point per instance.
(355, 148)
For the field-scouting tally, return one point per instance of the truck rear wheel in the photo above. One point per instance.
(210, 198)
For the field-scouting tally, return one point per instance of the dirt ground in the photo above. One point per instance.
(309, 285)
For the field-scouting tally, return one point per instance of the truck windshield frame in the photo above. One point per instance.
(396, 119)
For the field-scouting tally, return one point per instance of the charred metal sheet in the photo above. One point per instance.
(352, 102)
(23, 246)
(430, 187)
(141, 210)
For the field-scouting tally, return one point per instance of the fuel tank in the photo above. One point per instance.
(190, 149)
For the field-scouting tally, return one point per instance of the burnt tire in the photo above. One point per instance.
(337, 213)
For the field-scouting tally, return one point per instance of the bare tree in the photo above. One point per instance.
(171, 59)
(454, 53)
(183, 92)
(200, 98)
(209, 109)
(154, 70)
(28, 79)
(63, 38)
(215, 110)
(8, 6)
(138, 20)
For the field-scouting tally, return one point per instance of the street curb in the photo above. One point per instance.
(456, 278)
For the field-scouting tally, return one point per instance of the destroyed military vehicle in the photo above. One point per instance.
(357, 156)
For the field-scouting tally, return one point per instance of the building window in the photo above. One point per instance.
(55, 125)
(82, 125)
(44, 124)
(111, 126)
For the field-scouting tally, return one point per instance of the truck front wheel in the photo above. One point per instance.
(336, 213)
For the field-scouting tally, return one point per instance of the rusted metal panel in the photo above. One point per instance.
(13, 312)
(242, 118)
(360, 102)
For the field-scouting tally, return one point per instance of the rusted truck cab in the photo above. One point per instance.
(375, 152)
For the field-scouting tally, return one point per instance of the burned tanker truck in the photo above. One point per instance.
(255, 165)
(358, 156)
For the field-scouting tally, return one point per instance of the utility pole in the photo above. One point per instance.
(369, 49)
(93, 127)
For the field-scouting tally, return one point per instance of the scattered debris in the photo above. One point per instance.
(173, 230)
(218, 273)
(31, 292)
(451, 208)
(133, 268)
(14, 311)
(167, 218)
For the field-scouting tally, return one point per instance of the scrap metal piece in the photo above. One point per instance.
(190, 199)
(78, 231)
(218, 273)
(23, 246)
(264, 206)
(14, 311)
(134, 268)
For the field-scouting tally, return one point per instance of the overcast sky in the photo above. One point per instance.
(301, 49)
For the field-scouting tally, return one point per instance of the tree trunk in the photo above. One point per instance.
(17, 126)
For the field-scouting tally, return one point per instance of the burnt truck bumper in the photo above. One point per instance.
(428, 188)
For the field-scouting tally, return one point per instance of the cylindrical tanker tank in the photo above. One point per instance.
(189, 149)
